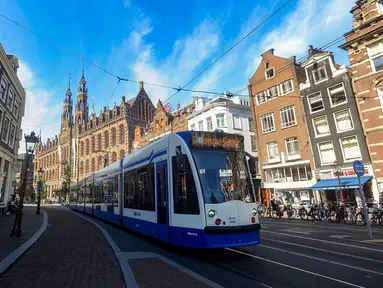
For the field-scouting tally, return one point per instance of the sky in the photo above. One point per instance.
(163, 42)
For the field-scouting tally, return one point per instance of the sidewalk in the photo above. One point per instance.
(30, 224)
(73, 252)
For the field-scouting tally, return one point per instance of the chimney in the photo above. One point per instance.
(123, 99)
(311, 50)
(141, 85)
(178, 106)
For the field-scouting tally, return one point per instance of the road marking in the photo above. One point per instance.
(296, 231)
(340, 236)
(321, 259)
(324, 250)
(323, 226)
(295, 268)
(325, 241)
(374, 241)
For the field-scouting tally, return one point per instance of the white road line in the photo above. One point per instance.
(296, 268)
(325, 241)
(324, 250)
(321, 259)
(327, 227)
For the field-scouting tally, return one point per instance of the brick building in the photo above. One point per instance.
(364, 44)
(164, 123)
(96, 140)
(284, 151)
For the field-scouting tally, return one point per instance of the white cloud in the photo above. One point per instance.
(39, 109)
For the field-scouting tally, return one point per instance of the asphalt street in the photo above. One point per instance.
(292, 253)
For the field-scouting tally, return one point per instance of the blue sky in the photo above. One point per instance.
(164, 42)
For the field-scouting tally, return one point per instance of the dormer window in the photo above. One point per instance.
(375, 53)
(269, 73)
(320, 74)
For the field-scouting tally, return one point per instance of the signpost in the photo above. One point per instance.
(359, 170)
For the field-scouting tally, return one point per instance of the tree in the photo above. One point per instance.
(66, 182)
(44, 193)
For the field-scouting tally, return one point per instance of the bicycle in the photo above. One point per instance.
(291, 212)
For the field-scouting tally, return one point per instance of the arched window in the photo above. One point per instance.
(93, 164)
(82, 148)
(99, 142)
(122, 134)
(106, 139)
(87, 147)
(93, 145)
(122, 153)
(114, 157)
(86, 166)
(114, 137)
(100, 163)
(81, 167)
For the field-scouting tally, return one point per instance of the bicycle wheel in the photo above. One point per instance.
(349, 218)
(333, 216)
(381, 220)
(293, 213)
(274, 214)
(303, 214)
(360, 219)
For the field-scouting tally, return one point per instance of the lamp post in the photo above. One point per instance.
(30, 141)
(39, 188)
(337, 172)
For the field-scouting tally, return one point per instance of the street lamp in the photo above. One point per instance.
(39, 188)
(30, 141)
(338, 173)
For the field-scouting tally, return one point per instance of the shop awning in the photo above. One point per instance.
(345, 183)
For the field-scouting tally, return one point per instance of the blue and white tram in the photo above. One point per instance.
(189, 189)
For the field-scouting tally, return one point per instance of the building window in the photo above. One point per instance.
(272, 93)
(288, 116)
(81, 167)
(200, 125)
(320, 74)
(122, 154)
(292, 147)
(251, 125)
(16, 109)
(93, 145)
(380, 93)
(122, 134)
(3, 89)
(114, 137)
(326, 152)
(237, 122)
(337, 94)
(10, 99)
(269, 73)
(316, 102)
(220, 120)
(350, 148)
(99, 142)
(192, 127)
(287, 87)
(1, 121)
(114, 157)
(261, 97)
(93, 165)
(267, 121)
(253, 143)
(86, 166)
(343, 120)
(288, 174)
(272, 152)
(106, 138)
(375, 52)
(321, 126)
(209, 123)
(12, 133)
(87, 147)
(4, 135)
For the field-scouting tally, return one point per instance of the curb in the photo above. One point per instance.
(11, 258)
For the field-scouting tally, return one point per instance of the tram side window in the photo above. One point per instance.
(115, 191)
(185, 192)
(139, 188)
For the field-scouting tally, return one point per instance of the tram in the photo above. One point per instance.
(190, 189)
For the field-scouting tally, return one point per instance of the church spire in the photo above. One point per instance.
(68, 94)
(82, 83)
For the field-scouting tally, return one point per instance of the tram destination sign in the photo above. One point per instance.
(214, 140)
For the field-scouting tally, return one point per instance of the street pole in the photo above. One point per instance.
(38, 196)
(365, 208)
(340, 191)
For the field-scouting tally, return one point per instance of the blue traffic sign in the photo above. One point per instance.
(358, 168)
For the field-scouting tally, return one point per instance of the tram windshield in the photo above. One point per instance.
(224, 176)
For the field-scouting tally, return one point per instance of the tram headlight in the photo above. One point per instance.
(212, 213)
(254, 211)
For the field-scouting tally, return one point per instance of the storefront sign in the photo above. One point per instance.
(358, 168)
(348, 172)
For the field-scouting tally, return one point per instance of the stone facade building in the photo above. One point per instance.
(12, 105)
(284, 151)
(89, 141)
(334, 126)
(163, 123)
(364, 44)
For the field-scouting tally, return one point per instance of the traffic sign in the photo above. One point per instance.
(358, 168)
(17, 166)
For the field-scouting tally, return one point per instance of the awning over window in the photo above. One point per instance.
(345, 183)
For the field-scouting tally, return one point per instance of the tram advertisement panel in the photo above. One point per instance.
(212, 140)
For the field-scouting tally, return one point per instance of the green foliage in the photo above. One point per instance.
(44, 193)
(66, 182)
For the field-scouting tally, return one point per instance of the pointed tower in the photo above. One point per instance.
(82, 109)
(67, 115)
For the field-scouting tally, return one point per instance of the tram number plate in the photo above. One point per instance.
(137, 214)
